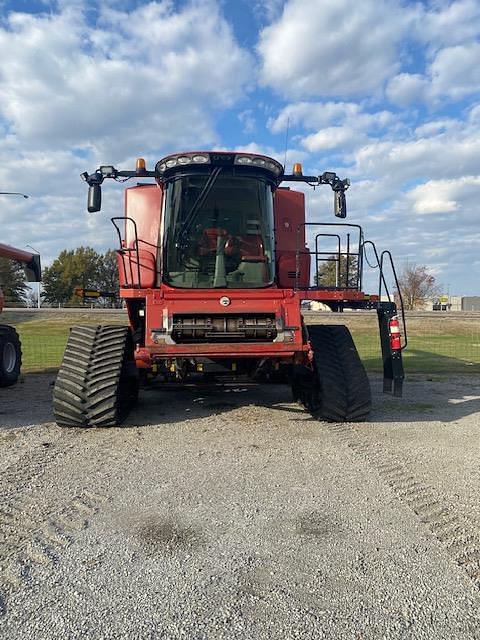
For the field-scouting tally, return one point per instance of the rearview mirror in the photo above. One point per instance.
(94, 198)
(340, 204)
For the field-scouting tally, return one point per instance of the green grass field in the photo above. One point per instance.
(436, 345)
(45, 335)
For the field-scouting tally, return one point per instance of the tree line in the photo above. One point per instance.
(81, 268)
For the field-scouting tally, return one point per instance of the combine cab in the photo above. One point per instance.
(10, 348)
(215, 260)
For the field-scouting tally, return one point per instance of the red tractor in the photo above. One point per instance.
(214, 265)
(10, 348)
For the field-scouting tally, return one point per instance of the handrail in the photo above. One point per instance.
(348, 254)
(376, 266)
(124, 249)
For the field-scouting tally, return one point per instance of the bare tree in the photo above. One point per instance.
(417, 286)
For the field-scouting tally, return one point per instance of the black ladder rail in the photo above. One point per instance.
(393, 372)
(379, 265)
(376, 266)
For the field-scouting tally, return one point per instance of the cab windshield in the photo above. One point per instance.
(219, 231)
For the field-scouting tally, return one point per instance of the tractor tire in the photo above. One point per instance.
(337, 389)
(10, 356)
(97, 384)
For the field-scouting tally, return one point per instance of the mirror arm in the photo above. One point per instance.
(94, 181)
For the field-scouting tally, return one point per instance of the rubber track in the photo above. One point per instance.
(343, 386)
(460, 537)
(89, 389)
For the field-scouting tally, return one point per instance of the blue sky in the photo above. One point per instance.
(384, 92)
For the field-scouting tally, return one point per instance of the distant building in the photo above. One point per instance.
(453, 303)
(471, 303)
(445, 303)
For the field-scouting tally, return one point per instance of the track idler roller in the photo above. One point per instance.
(97, 384)
(336, 387)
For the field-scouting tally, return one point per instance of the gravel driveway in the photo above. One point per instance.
(230, 513)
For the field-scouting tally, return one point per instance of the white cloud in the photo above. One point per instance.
(453, 22)
(406, 88)
(148, 75)
(332, 49)
(343, 126)
(437, 126)
(452, 154)
(330, 138)
(312, 115)
(316, 115)
(445, 196)
(73, 96)
(247, 118)
(455, 71)
(474, 114)
(453, 74)
(414, 175)
(268, 9)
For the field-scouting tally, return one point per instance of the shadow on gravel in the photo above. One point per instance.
(27, 403)
(426, 399)
(167, 535)
(168, 404)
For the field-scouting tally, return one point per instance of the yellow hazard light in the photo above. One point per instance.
(234, 366)
(140, 166)
(297, 169)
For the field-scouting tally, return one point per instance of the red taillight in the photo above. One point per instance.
(394, 331)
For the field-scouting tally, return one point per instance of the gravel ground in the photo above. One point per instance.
(230, 513)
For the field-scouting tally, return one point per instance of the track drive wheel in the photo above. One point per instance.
(97, 384)
(336, 389)
(10, 356)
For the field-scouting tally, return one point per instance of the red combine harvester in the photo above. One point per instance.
(10, 347)
(214, 265)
